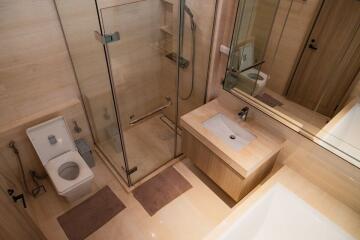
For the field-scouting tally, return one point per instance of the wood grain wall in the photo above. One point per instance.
(37, 81)
(35, 70)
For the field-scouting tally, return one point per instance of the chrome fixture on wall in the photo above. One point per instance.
(38, 189)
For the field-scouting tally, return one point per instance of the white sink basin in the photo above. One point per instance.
(228, 131)
(282, 215)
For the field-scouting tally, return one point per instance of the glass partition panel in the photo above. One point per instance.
(79, 20)
(145, 36)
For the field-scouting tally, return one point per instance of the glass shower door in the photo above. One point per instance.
(139, 38)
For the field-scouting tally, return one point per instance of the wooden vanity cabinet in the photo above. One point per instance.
(235, 185)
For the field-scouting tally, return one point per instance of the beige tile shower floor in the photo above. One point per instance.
(191, 216)
(149, 145)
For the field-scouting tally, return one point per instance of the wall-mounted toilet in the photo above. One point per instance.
(68, 171)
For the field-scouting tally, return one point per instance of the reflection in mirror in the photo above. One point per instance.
(304, 67)
(250, 39)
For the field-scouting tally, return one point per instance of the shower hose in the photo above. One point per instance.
(193, 31)
(16, 151)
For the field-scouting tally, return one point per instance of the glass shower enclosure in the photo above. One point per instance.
(132, 59)
(136, 61)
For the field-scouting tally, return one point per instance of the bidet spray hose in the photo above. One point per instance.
(16, 151)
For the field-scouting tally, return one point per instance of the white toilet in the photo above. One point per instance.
(68, 171)
(252, 75)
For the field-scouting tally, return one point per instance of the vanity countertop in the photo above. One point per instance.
(246, 160)
(328, 206)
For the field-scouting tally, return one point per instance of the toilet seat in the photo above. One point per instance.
(255, 71)
(260, 84)
(247, 60)
(62, 185)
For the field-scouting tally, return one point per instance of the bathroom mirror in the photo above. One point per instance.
(251, 35)
(296, 70)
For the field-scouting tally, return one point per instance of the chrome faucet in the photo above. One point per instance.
(244, 113)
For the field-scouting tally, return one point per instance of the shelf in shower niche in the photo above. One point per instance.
(163, 45)
(168, 1)
(184, 63)
(166, 29)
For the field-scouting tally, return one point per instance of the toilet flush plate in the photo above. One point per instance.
(51, 139)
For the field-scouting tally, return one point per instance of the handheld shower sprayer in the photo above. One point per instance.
(193, 37)
(188, 11)
(191, 15)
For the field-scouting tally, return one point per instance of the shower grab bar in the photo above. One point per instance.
(168, 104)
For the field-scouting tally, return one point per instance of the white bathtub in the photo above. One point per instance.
(281, 215)
(343, 133)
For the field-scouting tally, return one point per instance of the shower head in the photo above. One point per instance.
(188, 11)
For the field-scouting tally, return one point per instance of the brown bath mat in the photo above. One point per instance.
(269, 100)
(84, 219)
(161, 190)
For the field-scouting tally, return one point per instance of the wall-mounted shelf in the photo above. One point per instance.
(168, 1)
(167, 26)
(164, 46)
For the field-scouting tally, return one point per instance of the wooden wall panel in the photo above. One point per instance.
(35, 70)
(37, 81)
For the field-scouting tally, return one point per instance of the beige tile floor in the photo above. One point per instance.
(149, 145)
(191, 216)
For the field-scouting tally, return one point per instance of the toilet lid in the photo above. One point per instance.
(51, 139)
